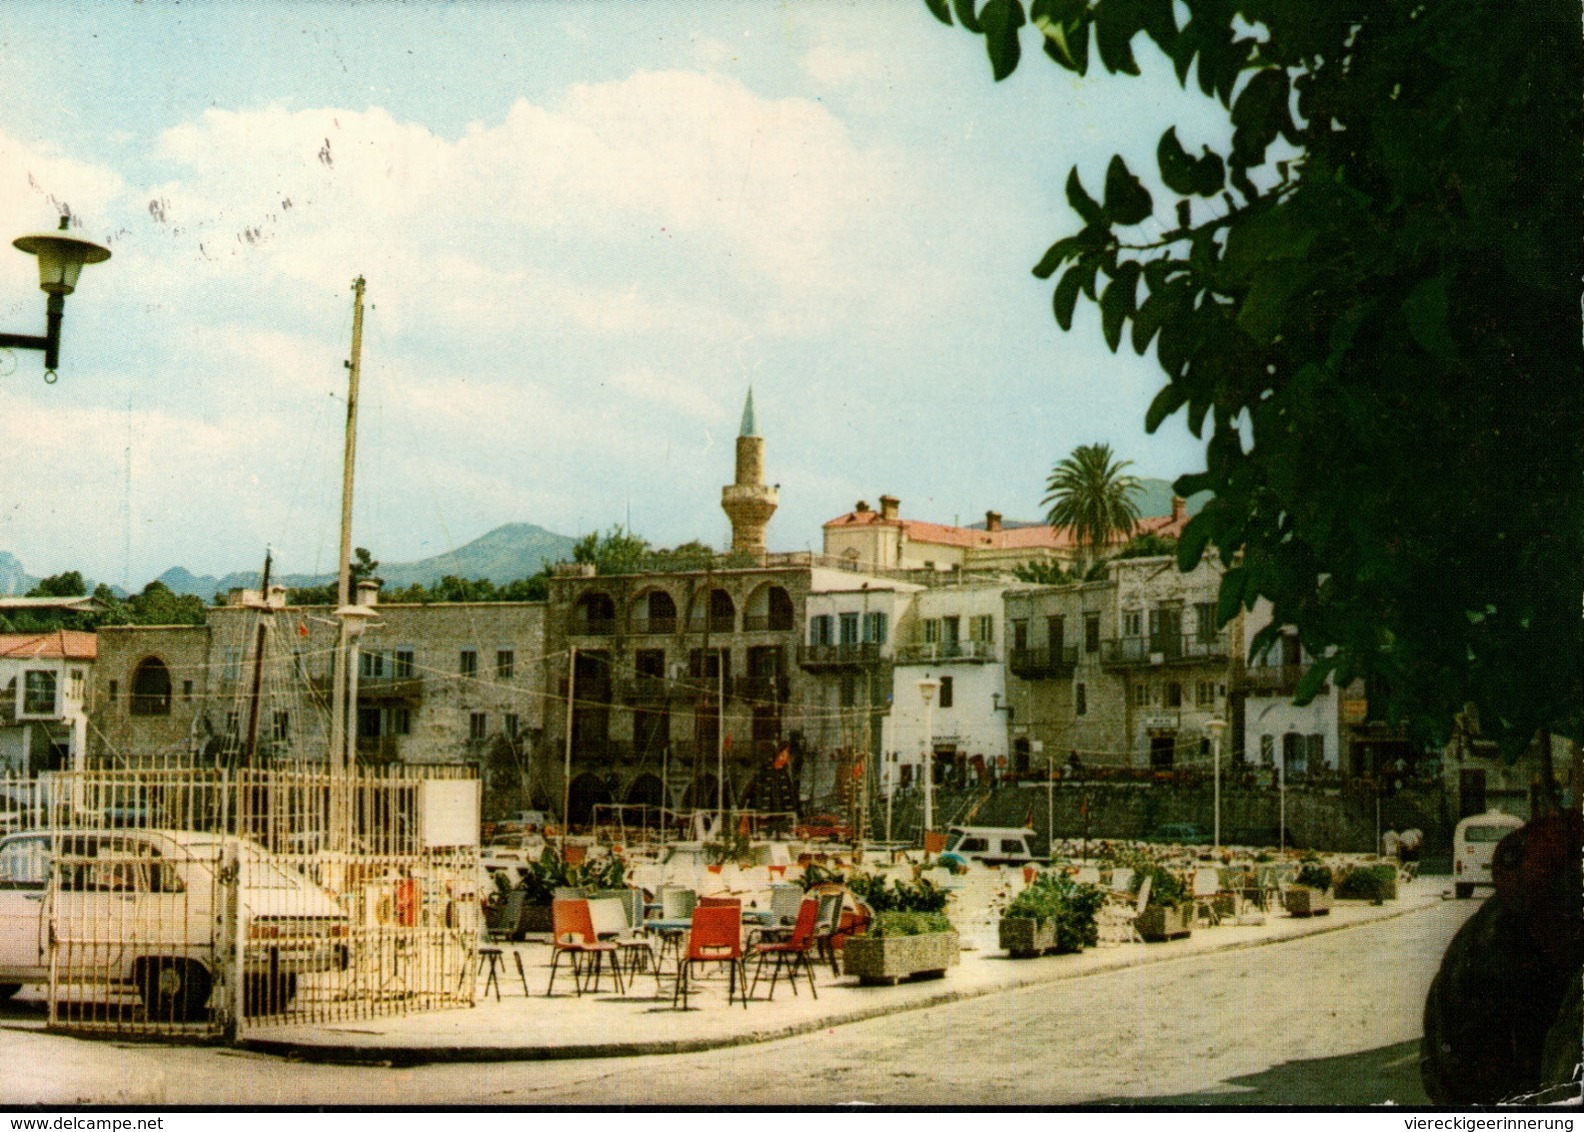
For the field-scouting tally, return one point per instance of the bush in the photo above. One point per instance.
(550, 872)
(1166, 888)
(1072, 906)
(1314, 875)
(909, 923)
(897, 896)
(1367, 882)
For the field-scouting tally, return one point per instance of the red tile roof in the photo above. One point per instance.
(63, 644)
(1039, 537)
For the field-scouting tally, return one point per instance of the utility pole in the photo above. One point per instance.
(339, 753)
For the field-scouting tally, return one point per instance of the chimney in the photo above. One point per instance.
(367, 593)
(992, 520)
(861, 507)
(890, 505)
(1179, 509)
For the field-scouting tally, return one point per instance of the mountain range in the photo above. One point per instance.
(505, 554)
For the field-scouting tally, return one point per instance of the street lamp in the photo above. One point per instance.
(1216, 727)
(60, 261)
(926, 689)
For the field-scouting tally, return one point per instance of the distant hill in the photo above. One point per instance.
(1154, 499)
(505, 554)
(13, 578)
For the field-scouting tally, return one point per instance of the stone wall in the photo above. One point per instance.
(1341, 819)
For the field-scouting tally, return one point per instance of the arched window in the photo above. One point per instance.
(720, 610)
(654, 612)
(769, 608)
(151, 688)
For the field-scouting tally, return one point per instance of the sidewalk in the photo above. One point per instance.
(516, 1028)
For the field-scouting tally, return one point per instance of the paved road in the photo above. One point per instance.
(1332, 1018)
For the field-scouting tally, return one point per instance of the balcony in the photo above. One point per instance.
(1268, 680)
(1168, 648)
(836, 658)
(714, 623)
(946, 652)
(654, 626)
(1044, 664)
(407, 689)
(767, 623)
(593, 626)
(761, 689)
(647, 691)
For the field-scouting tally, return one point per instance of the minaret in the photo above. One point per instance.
(749, 502)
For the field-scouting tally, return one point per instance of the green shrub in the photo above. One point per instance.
(897, 896)
(1367, 882)
(550, 872)
(909, 923)
(815, 874)
(1072, 906)
(1314, 875)
(1166, 888)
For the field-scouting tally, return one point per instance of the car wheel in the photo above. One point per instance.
(263, 994)
(8, 989)
(1463, 891)
(174, 990)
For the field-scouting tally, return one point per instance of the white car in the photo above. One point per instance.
(1474, 844)
(145, 908)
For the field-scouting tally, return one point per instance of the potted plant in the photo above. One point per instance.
(1168, 914)
(1054, 913)
(1375, 883)
(550, 872)
(901, 945)
(1310, 894)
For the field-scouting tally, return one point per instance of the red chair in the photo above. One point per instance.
(716, 937)
(794, 950)
(720, 902)
(572, 933)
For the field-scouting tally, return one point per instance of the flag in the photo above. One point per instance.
(726, 742)
(857, 771)
(1028, 819)
(302, 628)
(783, 757)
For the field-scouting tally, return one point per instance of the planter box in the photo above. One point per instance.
(534, 918)
(1160, 922)
(1023, 938)
(1302, 901)
(885, 959)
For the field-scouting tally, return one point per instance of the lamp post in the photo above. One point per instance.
(1216, 727)
(60, 261)
(926, 689)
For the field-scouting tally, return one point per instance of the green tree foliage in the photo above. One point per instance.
(1090, 494)
(69, 584)
(362, 567)
(619, 551)
(1370, 304)
(1149, 545)
(1043, 574)
(452, 588)
(157, 604)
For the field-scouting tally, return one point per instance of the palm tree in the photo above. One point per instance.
(1089, 494)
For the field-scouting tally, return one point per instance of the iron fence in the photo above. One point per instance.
(207, 901)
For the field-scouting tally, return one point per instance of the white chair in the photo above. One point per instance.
(1206, 887)
(1089, 874)
(609, 916)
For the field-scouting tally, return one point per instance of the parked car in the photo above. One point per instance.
(143, 908)
(1180, 833)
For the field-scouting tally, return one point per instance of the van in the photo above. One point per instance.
(143, 908)
(992, 844)
(1474, 847)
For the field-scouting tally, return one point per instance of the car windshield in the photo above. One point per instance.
(263, 872)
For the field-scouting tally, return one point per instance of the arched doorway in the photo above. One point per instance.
(644, 791)
(151, 687)
(587, 791)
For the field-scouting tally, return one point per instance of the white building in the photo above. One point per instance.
(43, 718)
(953, 638)
(1306, 739)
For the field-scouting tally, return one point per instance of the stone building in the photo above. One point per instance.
(43, 711)
(1128, 671)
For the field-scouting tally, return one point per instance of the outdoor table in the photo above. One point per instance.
(671, 933)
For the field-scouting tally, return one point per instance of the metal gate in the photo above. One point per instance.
(206, 902)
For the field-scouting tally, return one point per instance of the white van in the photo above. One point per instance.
(1474, 846)
(992, 844)
(143, 908)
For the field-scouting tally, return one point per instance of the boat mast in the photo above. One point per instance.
(340, 724)
(258, 665)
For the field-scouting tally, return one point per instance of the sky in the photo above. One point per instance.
(586, 229)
